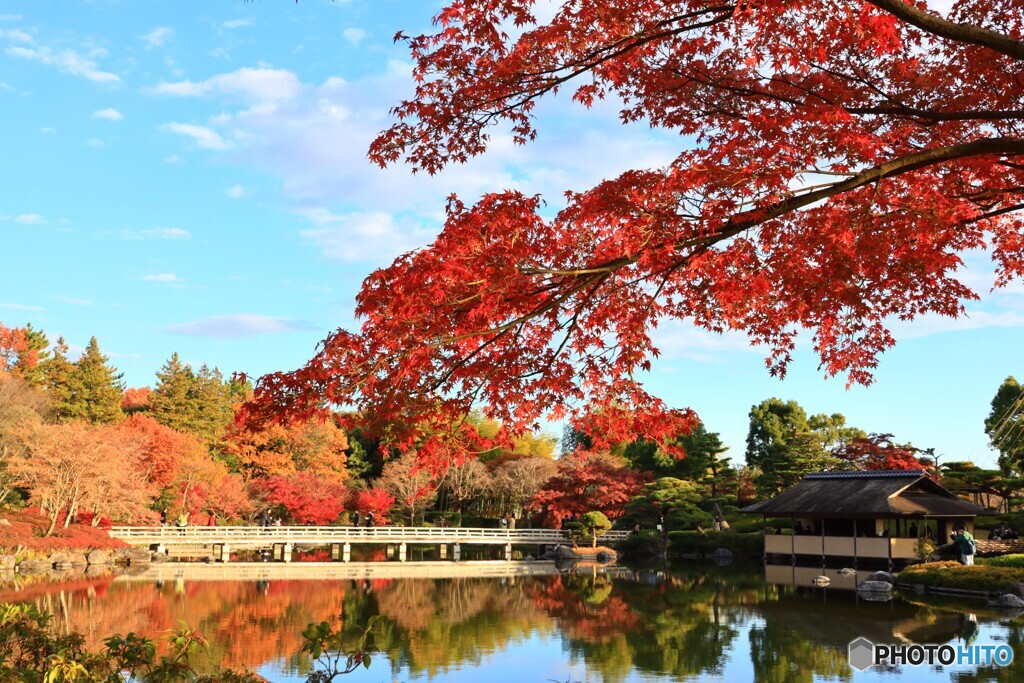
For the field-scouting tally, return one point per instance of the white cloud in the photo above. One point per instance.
(30, 219)
(204, 137)
(75, 302)
(173, 159)
(250, 85)
(47, 131)
(161, 277)
(108, 114)
(16, 35)
(237, 192)
(237, 326)
(155, 234)
(66, 61)
(157, 37)
(95, 143)
(238, 23)
(354, 35)
(373, 236)
(6, 86)
(22, 307)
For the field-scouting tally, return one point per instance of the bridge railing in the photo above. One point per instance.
(171, 535)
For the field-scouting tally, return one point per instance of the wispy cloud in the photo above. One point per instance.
(108, 114)
(161, 277)
(154, 234)
(22, 307)
(66, 61)
(237, 23)
(75, 301)
(237, 326)
(354, 35)
(205, 137)
(157, 37)
(371, 236)
(30, 219)
(16, 35)
(250, 85)
(237, 192)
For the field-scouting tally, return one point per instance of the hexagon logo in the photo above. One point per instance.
(861, 654)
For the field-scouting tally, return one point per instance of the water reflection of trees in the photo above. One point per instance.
(701, 621)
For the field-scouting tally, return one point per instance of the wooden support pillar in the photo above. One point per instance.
(508, 552)
(277, 552)
(391, 552)
(456, 551)
(443, 551)
(221, 552)
(287, 552)
(401, 552)
(346, 552)
(335, 552)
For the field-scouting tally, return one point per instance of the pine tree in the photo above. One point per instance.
(99, 388)
(171, 400)
(211, 398)
(60, 377)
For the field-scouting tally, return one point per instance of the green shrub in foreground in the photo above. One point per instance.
(1016, 560)
(955, 575)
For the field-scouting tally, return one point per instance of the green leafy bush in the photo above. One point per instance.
(985, 578)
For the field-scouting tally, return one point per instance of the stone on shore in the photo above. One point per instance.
(1007, 601)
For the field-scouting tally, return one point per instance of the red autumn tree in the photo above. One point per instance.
(878, 452)
(375, 500)
(587, 482)
(135, 400)
(836, 160)
(306, 498)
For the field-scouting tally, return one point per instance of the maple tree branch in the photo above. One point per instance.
(906, 164)
(964, 33)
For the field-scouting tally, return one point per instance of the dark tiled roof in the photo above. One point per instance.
(878, 493)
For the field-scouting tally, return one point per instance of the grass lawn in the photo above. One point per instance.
(981, 577)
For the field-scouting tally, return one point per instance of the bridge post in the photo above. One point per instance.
(277, 552)
(456, 551)
(335, 552)
(508, 552)
(346, 552)
(287, 552)
(391, 552)
(443, 551)
(401, 552)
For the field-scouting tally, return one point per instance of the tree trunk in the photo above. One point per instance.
(53, 524)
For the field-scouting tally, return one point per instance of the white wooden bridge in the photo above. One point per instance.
(281, 540)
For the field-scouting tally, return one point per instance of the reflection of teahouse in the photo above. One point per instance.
(873, 515)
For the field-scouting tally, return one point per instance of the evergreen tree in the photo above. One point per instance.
(705, 465)
(60, 377)
(30, 366)
(1005, 425)
(211, 404)
(776, 428)
(171, 404)
(99, 388)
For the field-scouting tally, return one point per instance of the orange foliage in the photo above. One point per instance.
(314, 446)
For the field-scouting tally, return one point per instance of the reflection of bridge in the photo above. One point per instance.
(283, 539)
(264, 571)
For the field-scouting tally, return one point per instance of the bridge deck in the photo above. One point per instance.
(259, 537)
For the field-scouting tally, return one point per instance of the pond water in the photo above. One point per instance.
(698, 622)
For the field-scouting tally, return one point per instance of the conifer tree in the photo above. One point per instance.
(60, 377)
(171, 402)
(99, 388)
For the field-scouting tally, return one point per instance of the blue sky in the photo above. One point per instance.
(192, 178)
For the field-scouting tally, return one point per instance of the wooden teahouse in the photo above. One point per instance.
(851, 516)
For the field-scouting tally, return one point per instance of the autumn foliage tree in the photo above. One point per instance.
(374, 500)
(836, 161)
(587, 482)
(305, 498)
(880, 452)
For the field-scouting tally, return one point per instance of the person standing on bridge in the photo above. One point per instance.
(369, 519)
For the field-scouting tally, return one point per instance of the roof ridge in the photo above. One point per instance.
(866, 474)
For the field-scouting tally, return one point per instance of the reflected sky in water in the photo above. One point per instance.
(695, 623)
